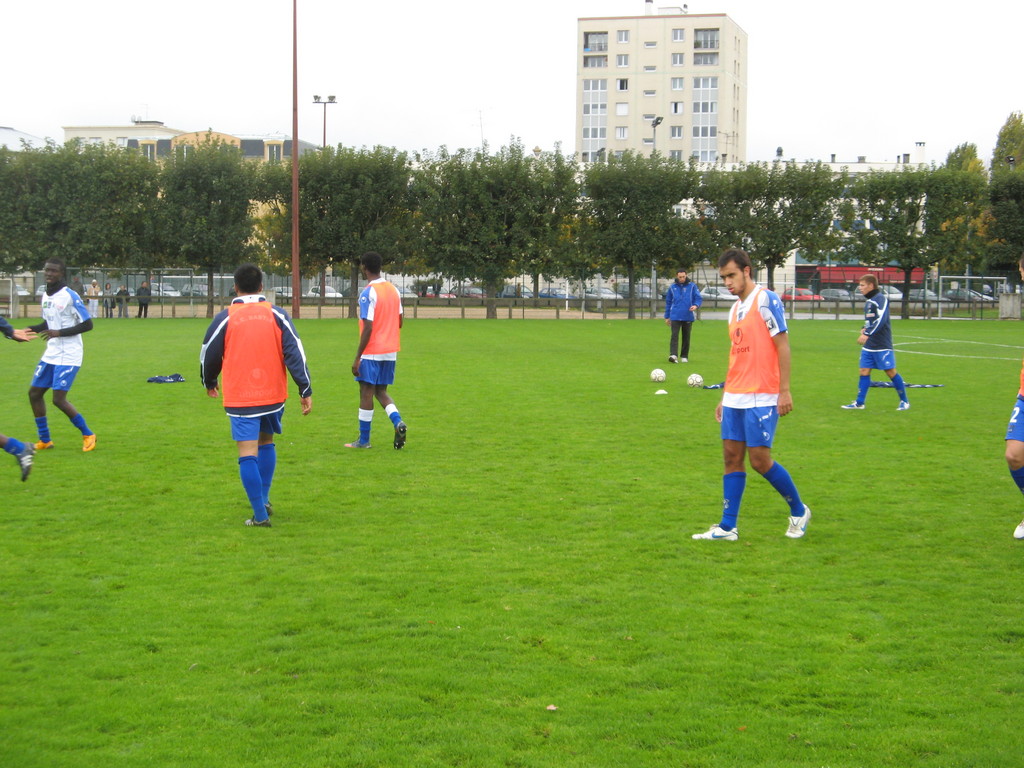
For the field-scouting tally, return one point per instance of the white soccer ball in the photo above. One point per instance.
(695, 380)
(657, 375)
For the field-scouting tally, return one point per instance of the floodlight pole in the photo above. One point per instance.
(296, 284)
(330, 100)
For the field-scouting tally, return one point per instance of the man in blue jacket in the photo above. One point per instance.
(681, 303)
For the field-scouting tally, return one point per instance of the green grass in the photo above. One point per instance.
(529, 547)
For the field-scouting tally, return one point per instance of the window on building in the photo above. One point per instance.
(593, 62)
(678, 35)
(595, 85)
(678, 83)
(274, 152)
(595, 132)
(148, 149)
(622, 132)
(622, 84)
(650, 44)
(623, 35)
(595, 108)
(650, 68)
(678, 59)
(650, 92)
(622, 108)
(705, 39)
(622, 60)
(676, 107)
(705, 59)
(595, 41)
(705, 107)
(675, 132)
(675, 154)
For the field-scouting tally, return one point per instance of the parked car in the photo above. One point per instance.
(893, 294)
(473, 292)
(407, 293)
(639, 291)
(515, 292)
(164, 289)
(283, 292)
(329, 292)
(604, 292)
(840, 295)
(197, 289)
(922, 295)
(967, 295)
(441, 295)
(556, 293)
(800, 294)
(717, 293)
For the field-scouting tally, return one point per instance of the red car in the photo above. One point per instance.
(800, 294)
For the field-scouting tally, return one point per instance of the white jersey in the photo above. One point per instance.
(64, 309)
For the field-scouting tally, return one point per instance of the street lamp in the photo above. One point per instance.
(654, 133)
(330, 100)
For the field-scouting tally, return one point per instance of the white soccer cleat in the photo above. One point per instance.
(903, 406)
(854, 406)
(717, 533)
(1019, 532)
(798, 525)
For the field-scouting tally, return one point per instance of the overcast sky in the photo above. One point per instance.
(866, 78)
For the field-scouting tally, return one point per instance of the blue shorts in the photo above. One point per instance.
(50, 376)
(377, 372)
(753, 426)
(250, 427)
(883, 359)
(1015, 429)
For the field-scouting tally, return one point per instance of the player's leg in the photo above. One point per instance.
(245, 433)
(266, 455)
(21, 452)
(684, 347)
(900, 386)
(366, 392)
(761, 426)
(381, 393)
(42, 379)
(673, 342)
(734, 477)
(1015, 452)
(62, 381)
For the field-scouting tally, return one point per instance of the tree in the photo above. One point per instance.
(629, 216)
(89, 205)
(967, 224)
(492, 217)
(1006, 194)
(771, 209)
(209, 194)
(1009, 143)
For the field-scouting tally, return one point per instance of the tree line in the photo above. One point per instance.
(492, 215)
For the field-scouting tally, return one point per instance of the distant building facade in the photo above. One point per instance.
(667, 80)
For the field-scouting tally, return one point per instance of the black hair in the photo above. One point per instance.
(248, 278)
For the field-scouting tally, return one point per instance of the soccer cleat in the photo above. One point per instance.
(683, 360)
(43, 445)
(88, 443)
(718, 533)
(252, 521)
(903, 406)
(24, 460)
(357, 444)
(673, 359)
(1019, 532)
(854, 406)
(798, 525)
(270, 508)
(400, 430)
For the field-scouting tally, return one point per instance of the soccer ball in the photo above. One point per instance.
(695, 380)
(657, 375)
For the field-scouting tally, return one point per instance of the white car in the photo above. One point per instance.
(717, 293)
(164, 289)
(329, 293)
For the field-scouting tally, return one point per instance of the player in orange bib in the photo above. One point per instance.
(756, 394)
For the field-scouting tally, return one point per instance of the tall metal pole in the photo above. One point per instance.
(296, 282)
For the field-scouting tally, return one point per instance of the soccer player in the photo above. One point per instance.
(681, 302)
(1015, 434)
(876, 342)
(253, 343)
(22, 452)
(756, 394)
(380, 323)
(65, 319)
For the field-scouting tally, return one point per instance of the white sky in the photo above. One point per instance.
(866, 78)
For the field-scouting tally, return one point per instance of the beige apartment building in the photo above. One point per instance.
(668, 80)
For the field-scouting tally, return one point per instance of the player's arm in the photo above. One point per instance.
(211, 355)
(364, 339)
(74, 330)
(781, 341)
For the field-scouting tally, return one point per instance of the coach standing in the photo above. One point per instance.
(253, 343)
(681, 302)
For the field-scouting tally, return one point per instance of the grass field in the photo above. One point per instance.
(518, 586)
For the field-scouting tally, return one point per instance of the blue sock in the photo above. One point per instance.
(266, 457)
(862, 388)
(901, 388)
(43, 428)
(365, 422)
(79, 421)
(392, 412)
(249, 471)
(783, 483)
(733, 485)
(14, 447)
(1018, 477)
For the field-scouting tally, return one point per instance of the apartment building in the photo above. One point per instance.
(668, 80)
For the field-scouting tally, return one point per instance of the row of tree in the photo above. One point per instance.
(490, 216)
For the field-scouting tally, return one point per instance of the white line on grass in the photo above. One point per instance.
(930, 340)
